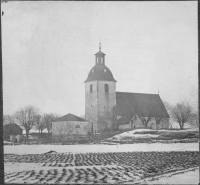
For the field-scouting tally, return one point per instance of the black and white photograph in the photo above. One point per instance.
(100, 92)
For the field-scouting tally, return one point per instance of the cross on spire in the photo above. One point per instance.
(100, 46)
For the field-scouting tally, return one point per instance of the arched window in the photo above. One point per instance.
(106, 88)
(77, 126)
(91, 88)
(102, 60)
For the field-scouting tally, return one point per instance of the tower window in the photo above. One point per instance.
(91, 88)
(104, 70)
(106, 88)
(102, 60)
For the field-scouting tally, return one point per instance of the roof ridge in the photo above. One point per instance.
(135, 93)
(71, 115)
(143, 102)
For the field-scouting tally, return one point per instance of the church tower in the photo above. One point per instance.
(100, 95)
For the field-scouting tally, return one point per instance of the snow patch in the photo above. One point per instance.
(145, 147)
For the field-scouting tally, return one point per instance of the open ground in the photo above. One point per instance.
(67, 164)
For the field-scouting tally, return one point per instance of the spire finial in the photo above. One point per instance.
(100, 45)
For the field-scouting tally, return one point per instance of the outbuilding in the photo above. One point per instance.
(11, 130)
(70, 126)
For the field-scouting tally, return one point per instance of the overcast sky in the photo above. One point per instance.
(48, 50)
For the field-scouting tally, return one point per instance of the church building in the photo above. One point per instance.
(107, 109)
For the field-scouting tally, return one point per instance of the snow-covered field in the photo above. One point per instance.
(134, 133)
(189, 176)
(144, 147)
(185, 177)
(155, 163)
(118, 167)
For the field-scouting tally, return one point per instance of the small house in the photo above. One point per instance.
(70, 126)
(11, 129)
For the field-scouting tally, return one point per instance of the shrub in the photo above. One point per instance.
(179, 135)
(148, 132)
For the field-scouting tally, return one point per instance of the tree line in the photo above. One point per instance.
(183, 113)
(30, 117)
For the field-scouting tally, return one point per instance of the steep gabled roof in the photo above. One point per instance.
(142, 104)
(12, 129)
(70, 117)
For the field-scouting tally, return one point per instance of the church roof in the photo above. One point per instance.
(142, 104)
(100, 73)
(70, 117)
(123, 120)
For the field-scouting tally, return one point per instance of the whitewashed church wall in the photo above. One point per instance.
(99, 104)
(152, 124)
(91, 111)
(106, 102)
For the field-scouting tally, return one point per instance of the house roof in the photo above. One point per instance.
(70, 117)
(142, 104)
(13, 126)
(100, 72)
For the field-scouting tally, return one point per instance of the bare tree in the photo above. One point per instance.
(133, 119)
(48, 119)
(61, 131)
(40, 123)
(168, 107)
(159, 117)
(145, 117)
(127, 111)
(26, 117)
(131, 115)
(132, 110)
(8, 119)
(158, 120)
(194, 120)
(181, 113)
